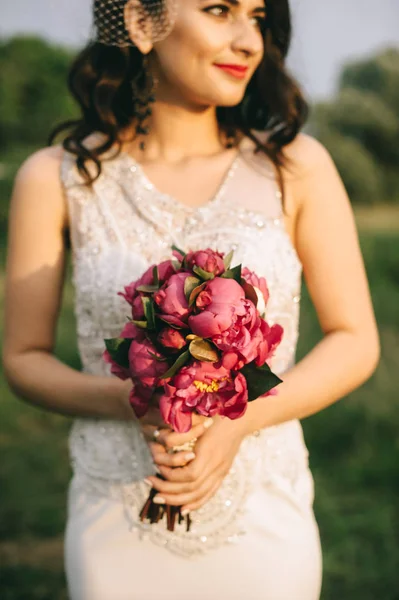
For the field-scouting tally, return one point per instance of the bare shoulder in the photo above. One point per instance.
(44, 164)
(306, 156)
(309, 173)
(38, 184)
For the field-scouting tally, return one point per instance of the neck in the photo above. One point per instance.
(179, 133)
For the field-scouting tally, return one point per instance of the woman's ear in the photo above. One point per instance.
(139, 26)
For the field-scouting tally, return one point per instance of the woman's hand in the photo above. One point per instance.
(193, 485)
(152, 421)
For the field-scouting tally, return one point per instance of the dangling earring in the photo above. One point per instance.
(143, 95)
(231, 137)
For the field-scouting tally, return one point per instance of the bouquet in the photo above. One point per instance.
(198, 339)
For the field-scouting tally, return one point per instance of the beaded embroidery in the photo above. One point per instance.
(118, 229)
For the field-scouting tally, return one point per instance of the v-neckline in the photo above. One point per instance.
(137, 168)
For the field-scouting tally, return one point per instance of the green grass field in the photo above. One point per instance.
(354, 451)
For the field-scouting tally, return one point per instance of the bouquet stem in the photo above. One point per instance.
(153, 513)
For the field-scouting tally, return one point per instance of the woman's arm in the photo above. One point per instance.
(327, 244)
(34, 282)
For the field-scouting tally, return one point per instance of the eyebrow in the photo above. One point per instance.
(258, 9)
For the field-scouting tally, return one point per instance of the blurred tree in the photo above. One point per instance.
(379, 75)
(33, 90)
(357, 167)
(360, 127)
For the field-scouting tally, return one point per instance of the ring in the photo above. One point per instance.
(156, 434)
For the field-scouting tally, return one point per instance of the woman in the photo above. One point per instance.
(176, 97)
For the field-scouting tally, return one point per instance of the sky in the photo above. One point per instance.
(327, 33)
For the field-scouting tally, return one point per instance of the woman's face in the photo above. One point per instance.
(212, 52)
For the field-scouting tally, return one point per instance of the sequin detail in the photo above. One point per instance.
(118, 229)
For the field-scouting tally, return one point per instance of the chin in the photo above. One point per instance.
(230, 101)
(227, 98)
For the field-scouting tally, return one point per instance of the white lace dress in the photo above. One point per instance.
(257, 538)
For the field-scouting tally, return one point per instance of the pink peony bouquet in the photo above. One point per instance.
(197, 337)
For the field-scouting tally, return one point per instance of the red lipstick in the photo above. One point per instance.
(238, 71)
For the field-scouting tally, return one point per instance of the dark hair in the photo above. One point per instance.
(100, 80)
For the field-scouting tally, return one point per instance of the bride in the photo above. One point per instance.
(189, 135)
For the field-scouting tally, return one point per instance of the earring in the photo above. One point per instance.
(143, 95)
(231, 137)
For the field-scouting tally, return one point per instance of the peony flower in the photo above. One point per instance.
(171, 338)
(171, 298)
(143, 366)
(138, 308)
(129, 331)
(132, 296)
(204, 388)
(219, 303)
(240, 343)
(260, 285)
(139, 398)
(208, 260)
(116, 369)
(272, 337)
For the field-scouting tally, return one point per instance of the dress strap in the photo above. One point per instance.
(256, 186)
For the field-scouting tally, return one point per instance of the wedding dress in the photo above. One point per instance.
(257, 538)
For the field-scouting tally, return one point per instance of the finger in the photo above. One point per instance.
(149, 430)
(156, 448)
(196, 505)
(194, 471)
(165, 487)
(177, 459)
(187, 498)
(198, 419)
(153, 417)
(173, 439)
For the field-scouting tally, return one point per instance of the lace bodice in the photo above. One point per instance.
(118, 229)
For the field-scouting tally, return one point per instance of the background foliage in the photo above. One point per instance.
(360, 127)
(354, 445)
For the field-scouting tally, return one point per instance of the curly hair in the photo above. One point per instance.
(100, 81)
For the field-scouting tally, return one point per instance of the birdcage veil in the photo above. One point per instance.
(110, 27)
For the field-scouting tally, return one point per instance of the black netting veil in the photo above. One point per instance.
(109, 23)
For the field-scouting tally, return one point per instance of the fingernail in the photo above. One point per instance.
(148, 482)
(208, 423)
(190, 456)
(185, 512)
(159, 500)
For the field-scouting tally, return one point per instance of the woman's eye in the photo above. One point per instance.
(221, 10)
(218, 10)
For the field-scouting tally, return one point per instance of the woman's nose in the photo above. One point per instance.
(247, 38)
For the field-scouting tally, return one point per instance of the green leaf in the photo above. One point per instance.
(203, 350)
(183, 358)
(259, 380)
(227, 259)
(141, 324)
(234, 273)
(176, 264)
(119, 350)
(178, 250)
(189, 285)
(203, 274)
(149, 289)
(194, 294)
(149, 311)
(155, 274)
(249, 291)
